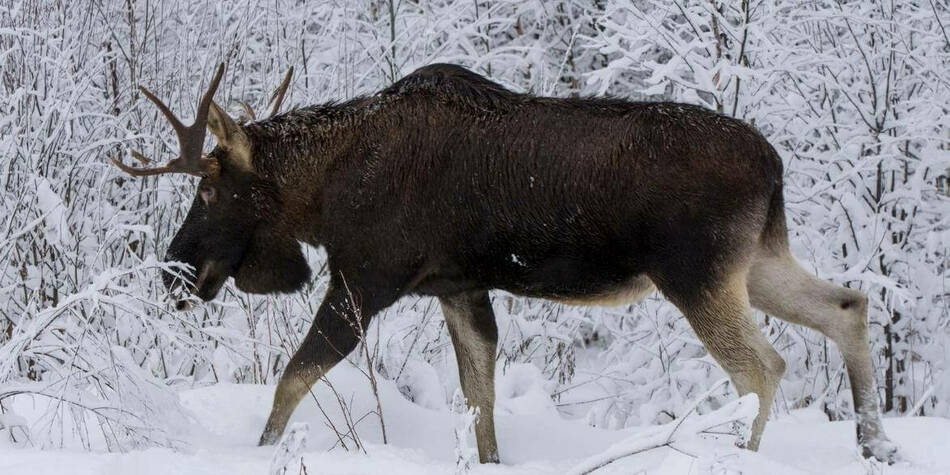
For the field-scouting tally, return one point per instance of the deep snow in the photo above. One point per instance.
(226, 419)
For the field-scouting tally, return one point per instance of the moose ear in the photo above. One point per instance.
(273, 263)
(231, 136)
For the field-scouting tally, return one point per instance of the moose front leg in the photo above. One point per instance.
(333, 335)
(471, 324)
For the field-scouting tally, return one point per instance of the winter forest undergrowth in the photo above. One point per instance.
(854, 94)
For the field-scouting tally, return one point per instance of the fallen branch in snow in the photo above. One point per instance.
(739, 414)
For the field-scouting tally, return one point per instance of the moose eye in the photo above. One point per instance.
(208, 194)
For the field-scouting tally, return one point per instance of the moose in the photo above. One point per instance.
(447, 184)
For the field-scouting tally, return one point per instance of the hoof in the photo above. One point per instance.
(882, 450)
(268, 438)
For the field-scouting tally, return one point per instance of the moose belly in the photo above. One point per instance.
(627, 293)
(600, 282)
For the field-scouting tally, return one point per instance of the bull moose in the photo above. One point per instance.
(447, 184)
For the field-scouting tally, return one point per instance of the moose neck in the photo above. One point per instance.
(295, 150)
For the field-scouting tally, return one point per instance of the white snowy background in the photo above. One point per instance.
(98, 375)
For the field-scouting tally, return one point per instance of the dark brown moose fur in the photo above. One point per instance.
(449, 185)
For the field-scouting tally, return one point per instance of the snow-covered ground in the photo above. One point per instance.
(226, 419)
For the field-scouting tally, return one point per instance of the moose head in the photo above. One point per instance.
(232, 228)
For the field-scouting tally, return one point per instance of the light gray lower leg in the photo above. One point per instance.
(294, 384)
(780, 287)
(471, 324)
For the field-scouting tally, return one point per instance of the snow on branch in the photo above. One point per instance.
(734, 420)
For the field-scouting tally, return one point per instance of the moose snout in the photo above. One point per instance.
(204, 282)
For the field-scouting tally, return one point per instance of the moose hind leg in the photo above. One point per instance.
(474, 333)
(780, 287)
(722, 319)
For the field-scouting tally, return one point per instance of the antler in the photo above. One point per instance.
(191, 138)
(278, 94)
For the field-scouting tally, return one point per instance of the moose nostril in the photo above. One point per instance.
(182, 305)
